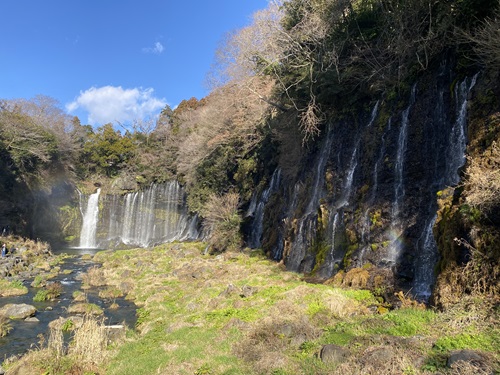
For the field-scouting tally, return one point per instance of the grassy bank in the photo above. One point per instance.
(239, 313)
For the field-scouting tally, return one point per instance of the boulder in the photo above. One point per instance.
(378, 356)
(18, 311)
(469, 356)
(247, 291)
(331, 353)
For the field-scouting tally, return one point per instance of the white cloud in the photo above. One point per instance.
(115, 104)
(156, 49)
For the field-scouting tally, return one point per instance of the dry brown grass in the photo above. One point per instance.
(267, 343)
(483, 179)
(380, 360)
(5, 326)
(94, 277)
(468, 368)
(90, 342)
(85, 355)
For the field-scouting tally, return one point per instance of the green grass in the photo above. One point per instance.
(193, 348)
(487, 341)
(41, 295)
(405, 322)
(12, 288)
(188, 325)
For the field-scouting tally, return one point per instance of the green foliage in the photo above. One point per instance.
(339, 334)
(243, 177)
(315, 307)
(487, 341)
(41, 295)
(68, 325)
(142, 316)
(221, 316)
(107, 151)
(50, 292)
(407, 322)
(360, 295)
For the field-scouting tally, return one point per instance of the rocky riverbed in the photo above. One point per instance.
(42, 290)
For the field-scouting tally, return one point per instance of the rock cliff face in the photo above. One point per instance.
(380, 192)
(369, 194)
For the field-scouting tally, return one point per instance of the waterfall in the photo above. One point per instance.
(374, 114)
(155, 215)
(90, 217)
(332, 260)
(257, 207)
(455, 157)
(319, 175)
(347, 187)
(144, 218)
(424, 272)
(306, 224)
(458, 141)
(399, 188)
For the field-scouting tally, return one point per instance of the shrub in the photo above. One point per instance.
(5, 326)
(222, 221)
(51, 292)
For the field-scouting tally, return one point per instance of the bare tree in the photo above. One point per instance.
(486, 41)
(229, 117)
(28, 143)
(44, 111)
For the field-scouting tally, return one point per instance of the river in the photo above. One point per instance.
(26, 335)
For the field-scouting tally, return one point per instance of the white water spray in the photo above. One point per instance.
(90, 217)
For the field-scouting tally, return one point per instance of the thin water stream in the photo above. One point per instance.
(26, 335)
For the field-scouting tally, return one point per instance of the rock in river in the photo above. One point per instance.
(19, 311)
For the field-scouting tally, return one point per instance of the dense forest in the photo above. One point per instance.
(277, 85)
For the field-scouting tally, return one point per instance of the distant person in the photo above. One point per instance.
(4, 250)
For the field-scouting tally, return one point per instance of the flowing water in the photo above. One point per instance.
(90, 215)
(25, 335)
(257, 207)
(455, 157)
(399, 187)
(155, 215)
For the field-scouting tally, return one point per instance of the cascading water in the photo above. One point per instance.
(319, 175)
(90, 218)
(370, 196)
(399, 188)
(458, 139)
(455, 157)
(306, 224)
(373, 114)
(155, 215)
(334, 257)
(144, 218)
(256, 210)
(365, 221)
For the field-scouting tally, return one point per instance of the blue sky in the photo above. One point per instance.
(113, 60)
